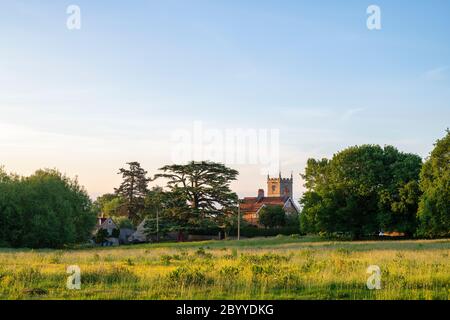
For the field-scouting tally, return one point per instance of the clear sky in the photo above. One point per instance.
(87, 101)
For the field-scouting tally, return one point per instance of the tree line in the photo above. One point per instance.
(366, 189)
(197, 196)
(358, 192)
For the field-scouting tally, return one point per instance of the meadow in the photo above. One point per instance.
(270, 268)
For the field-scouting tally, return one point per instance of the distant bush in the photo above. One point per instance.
(251, 232)
(210, 231)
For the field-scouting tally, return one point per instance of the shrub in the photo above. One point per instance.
(203, 254)
(101, 236)
(187, 276)
(251, 232)
(229, 272)
(109, 275)
(265, 258)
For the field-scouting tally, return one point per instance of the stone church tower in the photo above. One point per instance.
(279, 187)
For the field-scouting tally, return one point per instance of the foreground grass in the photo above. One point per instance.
(273, 268)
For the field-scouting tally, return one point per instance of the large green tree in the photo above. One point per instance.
(203, 188)
(272, 216)
(434, 208)
(168, 211)
(133, 190)
(46, 209)
(361, 190)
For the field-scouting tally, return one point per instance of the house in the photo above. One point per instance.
(125, 234)
(279, 194)
(391, 234)
(139, 235)
(107, 224)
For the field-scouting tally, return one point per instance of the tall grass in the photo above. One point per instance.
(275, 268)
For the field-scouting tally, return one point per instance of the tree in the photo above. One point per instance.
(123, 223)
(154, 202)
(174, 214)
(272, 216)
(398, 210)
(203, 187)
(434, 206)
(360, 191)
(133, 190)
(44, 210)
(110, 205)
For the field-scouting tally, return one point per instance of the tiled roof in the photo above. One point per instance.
(253, 204)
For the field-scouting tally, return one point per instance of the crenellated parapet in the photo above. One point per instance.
(278, 187)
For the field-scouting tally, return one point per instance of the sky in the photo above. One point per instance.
(137, 72)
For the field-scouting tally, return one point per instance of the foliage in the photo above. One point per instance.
(133, 189)
(199, 194)
(110, 205)
(251, 232)
(173, 213)
(154, 201)
(46, 209)
(101, 236)
(360, 191)
(123, 223)
(272, 216)
(99, 203)
(205, 185)
(434, 208)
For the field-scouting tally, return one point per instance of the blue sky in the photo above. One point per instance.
(87, 101)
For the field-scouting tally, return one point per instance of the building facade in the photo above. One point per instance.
(280, 192)
(279, 187)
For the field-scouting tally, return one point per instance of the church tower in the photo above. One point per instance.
(279, 187)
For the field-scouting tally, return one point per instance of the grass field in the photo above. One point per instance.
(274, 268)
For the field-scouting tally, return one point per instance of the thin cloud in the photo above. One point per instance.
(437, 74)
(349, 113)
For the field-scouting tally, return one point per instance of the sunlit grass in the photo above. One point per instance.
(273, 268)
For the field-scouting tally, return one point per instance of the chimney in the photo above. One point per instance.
(260, 194)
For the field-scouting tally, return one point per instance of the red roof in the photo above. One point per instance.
(251, 205)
